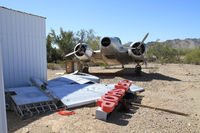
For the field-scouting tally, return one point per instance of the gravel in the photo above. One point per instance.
(169, 86)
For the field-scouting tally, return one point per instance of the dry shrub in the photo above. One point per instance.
(54, 66)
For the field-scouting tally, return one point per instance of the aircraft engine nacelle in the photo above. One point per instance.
(110, 45)
(106, 41)
(137, 52)
(84, 53)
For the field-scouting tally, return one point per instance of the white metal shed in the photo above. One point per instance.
(23, 40)
(3, 123)
(22, 52)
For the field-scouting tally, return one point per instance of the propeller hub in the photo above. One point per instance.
(138, 49)
(80, 50)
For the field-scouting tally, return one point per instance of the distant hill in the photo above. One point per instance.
(177, 43)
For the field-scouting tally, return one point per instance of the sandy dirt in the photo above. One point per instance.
(170, 86)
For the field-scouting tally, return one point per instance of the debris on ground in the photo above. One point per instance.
(68, 91)
(161, 109)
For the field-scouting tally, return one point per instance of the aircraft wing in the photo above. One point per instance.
(97, 56)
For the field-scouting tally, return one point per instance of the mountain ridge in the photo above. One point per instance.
(178, 43)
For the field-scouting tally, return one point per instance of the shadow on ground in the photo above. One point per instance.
(121, 115)
(129, 74)
(117, 67)
(152, 76)
(14, 123)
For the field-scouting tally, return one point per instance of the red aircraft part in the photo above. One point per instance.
(107, 106)
(121, 87)
(127, 82)
(65, 112)
(99, 102)
(113, 93)
(113, 99)
(119, 91)
(124, 84)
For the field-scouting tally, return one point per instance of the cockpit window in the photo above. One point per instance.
(119, 40)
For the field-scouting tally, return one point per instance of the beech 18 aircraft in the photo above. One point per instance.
(112, 52)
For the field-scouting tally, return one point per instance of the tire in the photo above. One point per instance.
(85, 70)
(138, 69)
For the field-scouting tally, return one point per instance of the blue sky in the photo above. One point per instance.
(128, 19)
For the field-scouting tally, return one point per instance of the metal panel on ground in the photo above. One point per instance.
(3, 123)
(30, 100)
(23, 41)
(73, 78)
(72, 90)
(74, 95)
(28, 95)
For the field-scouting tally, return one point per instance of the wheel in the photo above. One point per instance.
(85, 70)
(138, 69)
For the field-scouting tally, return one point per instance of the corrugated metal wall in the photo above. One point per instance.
(23, 40)
(3, 123)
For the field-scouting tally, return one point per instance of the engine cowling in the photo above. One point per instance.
(106, 41)
(137, 51)
(84, 53)
(110, 45)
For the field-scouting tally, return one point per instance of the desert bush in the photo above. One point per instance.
(163, 53)
(183, 51)
(54, 66)
(58, 45)
(193, 57)
(62, 63)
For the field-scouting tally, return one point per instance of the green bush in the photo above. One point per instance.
(183, 51)
(193, 57)
(58, 45)
(163, 53)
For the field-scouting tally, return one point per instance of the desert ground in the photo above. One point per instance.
(168, 86)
